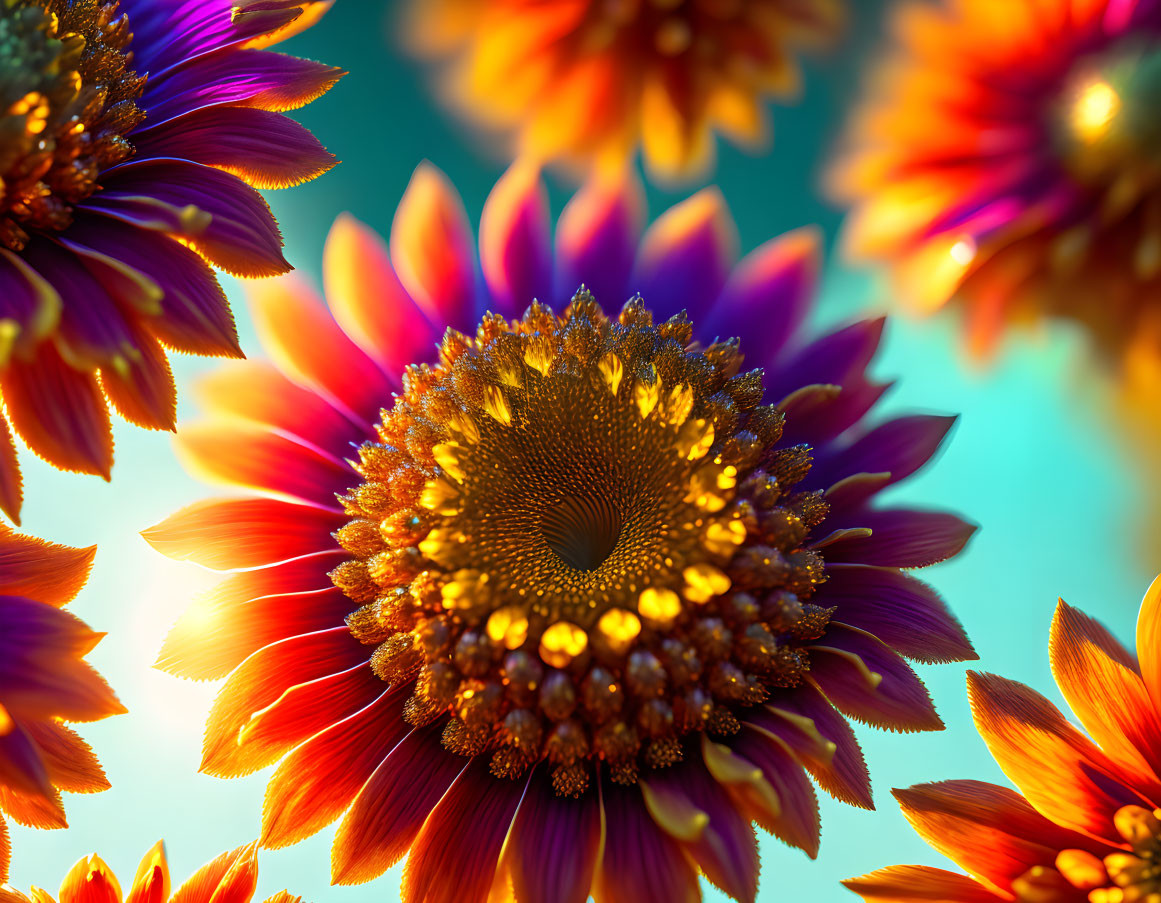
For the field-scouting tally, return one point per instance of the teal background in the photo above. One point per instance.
(1031, 460)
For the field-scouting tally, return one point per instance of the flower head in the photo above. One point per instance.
(133, 135)
(231, 878)
(588, 81)
(1085, 826)
(1008, 158)
(44, 682)
(580, 562)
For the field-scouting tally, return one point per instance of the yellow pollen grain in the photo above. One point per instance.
(508, 626)
(561, 643)
(497, 405)
(612, 371)
(440, 496)
(464, 590)
(448, 455)
(722, 538)
(703, 582)
(540, 354)
(646, 395)
(661, 605)
(619, 628)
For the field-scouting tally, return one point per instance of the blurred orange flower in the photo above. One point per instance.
(1087, 828)
(589, 80)
(44, 681)
(231, 878)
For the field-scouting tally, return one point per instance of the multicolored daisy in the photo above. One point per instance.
(44, 682)
(1085, 827)
(133, 134)
(231, 878)
(588, 584)
(588, 81)
(1009, 158)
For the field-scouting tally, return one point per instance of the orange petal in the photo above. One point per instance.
(151, 884)
(431, 248)
(907, 883)
(90, 881)
(230, 878)
(70, 761)
(5, 852)
(1059, 770)
(1099, 679)
(369, 302)
(11, 484)
(1149, 641)
(42, 571)
(36, 811)
(143, 391)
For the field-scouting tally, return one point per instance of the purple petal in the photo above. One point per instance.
(905, 613)
(836, 358)
(899, 447)
(798, 824)
(386, 816)
(266, 149)
(21, 768)
(900, 537)
(770, 291)
(221, 215)
(641, 863)
(142, 390)
(554, 845)
(195, 315)
(29, 301)
(825, 422)
(454, 858)
(866, 680)
(686, 255)
(801, 717)
(515, 248)
(29, 629)
(596, 241)
(253, 78)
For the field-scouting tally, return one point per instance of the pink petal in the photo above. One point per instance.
(515, 246)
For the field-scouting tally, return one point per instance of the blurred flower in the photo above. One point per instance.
(1086, 828)
(587, 586)
(131, 132)
(44, 682)
(590, 80)
(231, 878)
(1008, 158)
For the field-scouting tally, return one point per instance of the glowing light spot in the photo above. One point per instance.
(561, 643)
(1093, 112)
(619, 628)
(963, 251)
(509, 626)
(703, 582)
(661, 605)
(497, 405)
(611, 371)
(723, 538)
(6, 722)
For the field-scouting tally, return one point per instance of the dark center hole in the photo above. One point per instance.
(583, 530)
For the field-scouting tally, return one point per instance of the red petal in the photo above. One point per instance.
(904, 883)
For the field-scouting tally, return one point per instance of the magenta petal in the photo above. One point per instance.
(253, 78)
(842, 772)
(641, 864)
(770, 291)
(798, 823)
(903, 612)
(454, 858)
(899, 447)
(866, 680)
(596, 241)
(387, 814)
(218, 213)
(265, 149)
(686, 255)
(726, 850)
(554, 845)
(900, 537)
(515, 249)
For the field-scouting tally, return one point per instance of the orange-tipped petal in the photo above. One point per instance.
(1099, 679)
(915, 883)
(1149, 641)
(90, 881)
(71, 764)
(33, 811)
(21, 767)
(42, 571)
(515, 250)
(151, 884)
(369, 302)
(1059, 770)
(597, 237)
(230, 878)
(431, 248)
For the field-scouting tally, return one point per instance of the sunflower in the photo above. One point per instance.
(583, 581)
(1086, 828)
(1009, 158)
(590, 80)
(133, 134)
(231, 878)
(44, 681)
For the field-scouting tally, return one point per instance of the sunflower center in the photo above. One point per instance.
(581, 541)
(1108, 114)
(67, 99)
(582, 530)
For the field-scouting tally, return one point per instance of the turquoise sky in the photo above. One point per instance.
(1030, 461)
